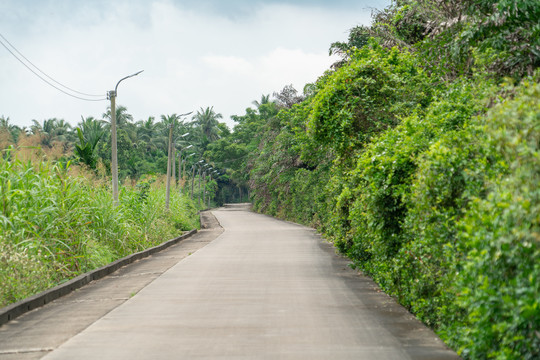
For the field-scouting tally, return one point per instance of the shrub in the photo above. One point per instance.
(499, 282)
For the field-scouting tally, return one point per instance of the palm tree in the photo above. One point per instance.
(122, 116)
(13, 130)
(4, 122)
(90, 131)
(51, 130)
(207, 121)
(146, 129)
(168, 120)
(148, 132)
(265, 99)
(62, 131)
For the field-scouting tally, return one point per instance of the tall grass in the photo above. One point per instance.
(55, 224)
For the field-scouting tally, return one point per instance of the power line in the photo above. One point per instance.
(42, 78)
(42, 72)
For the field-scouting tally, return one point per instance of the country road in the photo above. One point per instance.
(259, 288)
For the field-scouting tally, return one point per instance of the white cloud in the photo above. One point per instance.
(192, 57)
(229, 64)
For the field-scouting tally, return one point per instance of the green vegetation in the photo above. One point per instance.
(57, 218)
(417, 155)
(56, 225)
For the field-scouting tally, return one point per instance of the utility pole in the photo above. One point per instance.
(114, 149)
(168, 190)
(204, 188)
(184, 161)
(180, 173)
(209, 181)
(199, 186)
(173, 163)
(192, 179)
(170, 160)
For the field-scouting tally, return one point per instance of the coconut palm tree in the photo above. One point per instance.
(13, 131)
(265, 99)
(63, 131)
(122, 116)
(51, 130)
(207, 122)
(90, 131)
(149, 133)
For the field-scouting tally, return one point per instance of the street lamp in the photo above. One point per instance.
(183, 168)
(114, 156)
(170, 160)
(180, 157)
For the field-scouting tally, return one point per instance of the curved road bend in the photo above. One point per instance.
(263, 289)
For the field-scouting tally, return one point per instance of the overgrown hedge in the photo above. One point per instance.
(437, 200)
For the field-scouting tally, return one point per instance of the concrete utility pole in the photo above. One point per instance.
(114, 150)
(199, 186)
(171, 162)
(209, 181)
(184, 161)
(192, 179)
(180, 177)
(204, 188)
(180, 174)
(169, 158)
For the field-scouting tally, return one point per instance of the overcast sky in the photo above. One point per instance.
(194, 53)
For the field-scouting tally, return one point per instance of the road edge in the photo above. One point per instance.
(15, 310)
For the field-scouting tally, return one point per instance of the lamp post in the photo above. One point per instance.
(179, 159)
(170, 161)
(180, 172)
(168, 186)
(210, 181)
(184, 161)
(199, 192)
(114, 149)
(205, 182)
(193, 179)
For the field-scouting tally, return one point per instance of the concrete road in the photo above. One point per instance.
(263, 289)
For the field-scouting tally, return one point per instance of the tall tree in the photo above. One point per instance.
(265, 99)
(288, 96)
(11, 132)
(90, 131)
(51, 130)
(207, 121)
(122, 116)
(148, 133)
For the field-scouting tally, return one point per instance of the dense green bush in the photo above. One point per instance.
(442, 212)
(375, 191)
(421, 163)
(403, 212)
(369, 95)
(499, 287)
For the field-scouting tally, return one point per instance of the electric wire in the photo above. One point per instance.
(43, 79)
(42, 72)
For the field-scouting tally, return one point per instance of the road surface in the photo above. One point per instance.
(263, 289)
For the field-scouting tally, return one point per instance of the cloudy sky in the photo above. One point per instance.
(194, 53)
